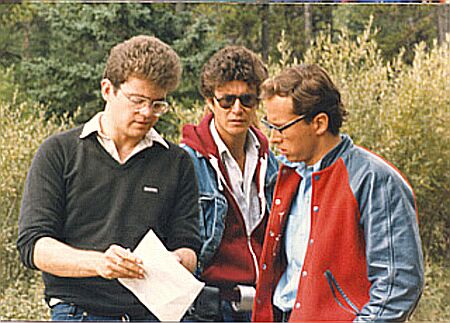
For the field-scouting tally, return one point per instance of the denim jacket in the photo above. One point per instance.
(212, 182)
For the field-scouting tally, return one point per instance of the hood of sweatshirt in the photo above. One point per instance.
(199, 138)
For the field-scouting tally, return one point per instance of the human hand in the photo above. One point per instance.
(118, 262)
(186, 257)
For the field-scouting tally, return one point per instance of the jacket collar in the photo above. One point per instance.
(338, 151)
(327, 160)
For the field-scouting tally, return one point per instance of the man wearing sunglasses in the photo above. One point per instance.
(93, 192)
(342, 241)
(236, 173)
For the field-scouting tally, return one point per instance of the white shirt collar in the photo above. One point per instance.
(251, 140)
(93, 125)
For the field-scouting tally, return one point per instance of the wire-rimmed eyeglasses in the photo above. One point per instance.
(157, 107)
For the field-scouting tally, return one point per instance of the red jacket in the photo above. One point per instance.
(364, 255)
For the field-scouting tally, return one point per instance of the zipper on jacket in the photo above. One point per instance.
(220, 178)
(255, 260)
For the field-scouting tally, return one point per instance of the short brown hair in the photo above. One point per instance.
(144, 57)
(232, 63)
(312, 91)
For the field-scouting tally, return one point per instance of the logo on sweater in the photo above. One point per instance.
(150, 189)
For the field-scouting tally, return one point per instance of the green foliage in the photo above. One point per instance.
(58, 50)
(77, 39)
(435, 302)
(7, 85)
(398, 110)
(22, 130)
(399, 25)
(195, 48)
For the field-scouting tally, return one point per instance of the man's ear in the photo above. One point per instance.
(107, 89)
(320, 122)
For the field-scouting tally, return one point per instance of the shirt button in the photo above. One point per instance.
(317, 177)
(304, 274)
(264, 266)
(271, 233)
(315, 208)
(311, 241)
(277, 201)
(297, 305)
(258, 300)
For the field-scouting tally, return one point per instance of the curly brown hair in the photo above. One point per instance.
(232, 63)
(312, 91)
(144, 57)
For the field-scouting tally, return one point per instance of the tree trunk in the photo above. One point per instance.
(265, 31)
(443, 21)
(308, 24)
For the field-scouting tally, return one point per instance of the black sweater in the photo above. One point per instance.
(78, 194)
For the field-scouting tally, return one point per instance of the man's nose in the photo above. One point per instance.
(275, 137)
(237, 107)
(146, 110)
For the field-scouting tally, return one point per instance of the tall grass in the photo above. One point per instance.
(399, 111)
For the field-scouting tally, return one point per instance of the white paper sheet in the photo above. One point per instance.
(168, 289)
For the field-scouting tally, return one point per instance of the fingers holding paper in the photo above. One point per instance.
(118, 262)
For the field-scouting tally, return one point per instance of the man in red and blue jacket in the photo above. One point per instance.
(236, 174)
(342, 242)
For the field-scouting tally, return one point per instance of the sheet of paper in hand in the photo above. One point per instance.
(168, 289)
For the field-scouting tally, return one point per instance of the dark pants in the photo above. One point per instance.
(230, 315)
(213, 305)
(72, 312)
(280, 316)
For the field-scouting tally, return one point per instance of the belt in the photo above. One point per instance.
(52, 302)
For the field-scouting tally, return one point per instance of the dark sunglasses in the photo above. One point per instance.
(247, 100)
(283, 127)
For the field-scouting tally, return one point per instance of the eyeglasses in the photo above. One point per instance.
(247, 100)
(283, 127)
(157, 107)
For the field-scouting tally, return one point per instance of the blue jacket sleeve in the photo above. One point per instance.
(393, 247)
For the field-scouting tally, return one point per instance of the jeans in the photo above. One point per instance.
(72, 312)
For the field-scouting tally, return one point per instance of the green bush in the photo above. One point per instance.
(397, 110)
(22, 129)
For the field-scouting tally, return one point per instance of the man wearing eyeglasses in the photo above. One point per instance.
(93, 192)
(342, 242)
(236, 174)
